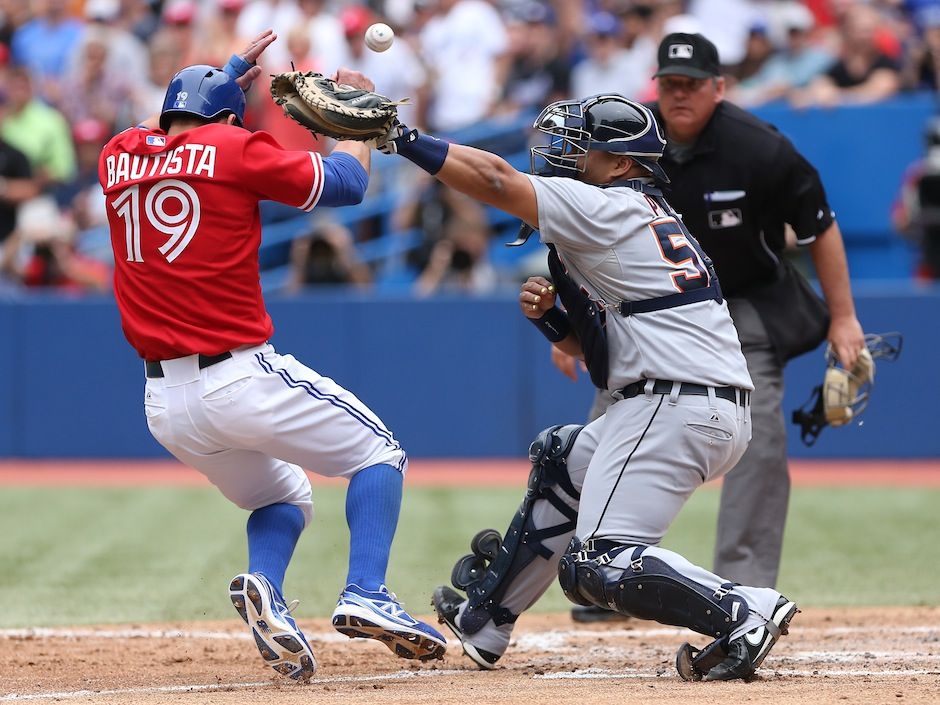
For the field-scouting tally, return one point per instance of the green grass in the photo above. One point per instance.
(134, 555)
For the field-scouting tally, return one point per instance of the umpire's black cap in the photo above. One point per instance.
(687, 55)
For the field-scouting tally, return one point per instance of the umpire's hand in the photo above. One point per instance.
(537, 297)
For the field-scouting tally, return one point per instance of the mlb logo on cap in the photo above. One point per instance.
(680, 51)
(689, 55)
(156, 141)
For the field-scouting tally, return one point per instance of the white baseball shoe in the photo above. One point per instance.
(280, 641)
(377, 614)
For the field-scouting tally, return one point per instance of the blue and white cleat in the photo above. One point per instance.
(376, 614)
(282, 644)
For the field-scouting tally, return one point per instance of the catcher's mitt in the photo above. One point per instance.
(326, 107)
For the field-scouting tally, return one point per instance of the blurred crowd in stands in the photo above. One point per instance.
(74, 72)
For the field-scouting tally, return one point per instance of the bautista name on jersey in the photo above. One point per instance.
(190, 159)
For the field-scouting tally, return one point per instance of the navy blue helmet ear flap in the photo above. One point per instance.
(202, 91)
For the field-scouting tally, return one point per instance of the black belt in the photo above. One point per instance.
(154, 370)
(664, 386)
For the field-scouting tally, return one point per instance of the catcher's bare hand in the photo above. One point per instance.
(251, 53)
(348, 77)
(536, 297)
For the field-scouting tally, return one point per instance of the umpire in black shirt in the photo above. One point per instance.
(737, 181)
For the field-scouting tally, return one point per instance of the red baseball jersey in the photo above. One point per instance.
(185, 230)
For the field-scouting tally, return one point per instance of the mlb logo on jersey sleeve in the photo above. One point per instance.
(156, 141)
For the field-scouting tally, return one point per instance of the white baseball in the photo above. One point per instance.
(379, 37)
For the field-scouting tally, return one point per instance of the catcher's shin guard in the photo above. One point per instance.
(648, 589)
(486, 573)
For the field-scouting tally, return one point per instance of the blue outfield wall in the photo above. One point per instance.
(451, 377)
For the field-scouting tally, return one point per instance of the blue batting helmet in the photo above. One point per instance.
(607, 123)
(203, 91)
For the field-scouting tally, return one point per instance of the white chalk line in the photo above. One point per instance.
(215, 687)
(534, 640)
(600, 674)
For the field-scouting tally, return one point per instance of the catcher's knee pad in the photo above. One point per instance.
(496, 560)
(649, 589)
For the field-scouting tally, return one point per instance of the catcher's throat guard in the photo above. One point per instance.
(844, 394)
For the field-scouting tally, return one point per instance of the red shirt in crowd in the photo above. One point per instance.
(185, 230)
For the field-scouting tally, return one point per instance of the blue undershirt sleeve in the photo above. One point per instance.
(344, 180)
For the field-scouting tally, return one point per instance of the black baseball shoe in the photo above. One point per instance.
(747, 652)
(589, 614)
(446, 603)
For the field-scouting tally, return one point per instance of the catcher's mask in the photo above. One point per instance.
(844, 394)
(607, 122)
(204, 91)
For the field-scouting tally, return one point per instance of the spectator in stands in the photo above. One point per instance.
(279, 15)
(16, 187)
(862, 74)
(140, 18)
(268, 115)
(798, 63)
(179, 19)
(164, 48)
(82, 198)
(126, 52)
(608, 68)
(429, 206)
(922, 62)
(466, 46)
(396, 72)
(97, 91)
(326, 255)
(221, 32)
(38, 130)
(916, 214)
(48, 257)
(459, 262)
(758, 49)
(13, 15)
(538, 72)
(325, 31)
(727, 23)
(45, 43)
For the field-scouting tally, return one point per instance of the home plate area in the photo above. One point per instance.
(871, 655)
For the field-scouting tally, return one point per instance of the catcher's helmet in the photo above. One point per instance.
(607, 122)
(203, 91)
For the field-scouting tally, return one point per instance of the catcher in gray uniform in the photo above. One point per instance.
(643, 309)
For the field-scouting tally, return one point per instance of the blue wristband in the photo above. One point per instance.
(554, 325)
(427, 152)
(236, 67)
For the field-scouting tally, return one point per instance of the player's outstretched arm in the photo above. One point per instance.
(481, 175)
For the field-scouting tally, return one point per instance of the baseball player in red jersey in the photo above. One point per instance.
(182, 195)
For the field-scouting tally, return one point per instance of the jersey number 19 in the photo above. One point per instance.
(179, 223)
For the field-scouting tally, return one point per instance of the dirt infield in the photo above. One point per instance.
(869, 655)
